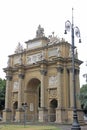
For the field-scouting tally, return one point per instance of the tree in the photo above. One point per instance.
(2, 93)
(83, 97)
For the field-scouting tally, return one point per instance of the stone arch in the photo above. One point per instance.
(53, 103)
(15, 107)
(33, 95)
(53, 106)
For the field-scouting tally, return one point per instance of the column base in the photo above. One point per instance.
(65, 116)
(7, 115)
(42, 114)
(80, 115)
(59, 118)
(19, 115)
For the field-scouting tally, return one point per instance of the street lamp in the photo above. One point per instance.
(74, 31)
(24, 106)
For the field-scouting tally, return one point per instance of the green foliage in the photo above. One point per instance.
(2, 93)
(83, 96)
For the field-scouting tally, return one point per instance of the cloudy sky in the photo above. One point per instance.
(19, 20)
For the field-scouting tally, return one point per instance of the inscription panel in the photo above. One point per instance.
(52, 81)
(16, 86)
(34, 45)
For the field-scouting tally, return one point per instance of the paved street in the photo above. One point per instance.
(68, 127)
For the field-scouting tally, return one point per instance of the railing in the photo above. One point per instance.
(34, 118)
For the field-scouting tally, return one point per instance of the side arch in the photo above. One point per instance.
(53, 105)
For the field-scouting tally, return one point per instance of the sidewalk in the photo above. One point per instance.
(68, 127)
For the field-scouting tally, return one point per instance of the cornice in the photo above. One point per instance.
(7, 69)
(75, 60)
(37, 39)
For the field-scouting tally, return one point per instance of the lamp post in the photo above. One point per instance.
(74, 31)
(24, 106)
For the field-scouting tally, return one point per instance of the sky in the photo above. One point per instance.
(19, 20)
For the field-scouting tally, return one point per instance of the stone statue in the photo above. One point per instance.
(40, 32)
(8, 63)
(58, 52)
(19, 48)
(76, 53)
(70, 52)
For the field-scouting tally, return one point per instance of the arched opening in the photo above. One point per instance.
(15, 106)
(33, 98)
(39, 96)
(53, 106)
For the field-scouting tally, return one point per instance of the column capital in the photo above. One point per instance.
(7, 110)
(59, 69)
(21, 76)
(43, 72)
(9, 77)
(77, 71)
(70, 70)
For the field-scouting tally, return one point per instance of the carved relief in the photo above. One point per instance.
(53, 93)
(15, 97)
(17, 60)
(54, 52)
(35, 58)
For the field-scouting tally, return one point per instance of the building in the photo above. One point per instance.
(41, 77)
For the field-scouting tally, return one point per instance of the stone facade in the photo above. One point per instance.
(41, 76)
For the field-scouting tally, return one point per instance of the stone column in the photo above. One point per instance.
(59, 90)
(21, 77)
(59, 86)
(43, 74)
(19, 112)
(42, 110)
(77, 87)
(7, 111)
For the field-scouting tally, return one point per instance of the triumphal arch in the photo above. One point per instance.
(41, 77)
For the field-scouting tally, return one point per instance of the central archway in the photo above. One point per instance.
(33, 98)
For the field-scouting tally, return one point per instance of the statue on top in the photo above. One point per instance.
(40, 32)
(19, 48)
